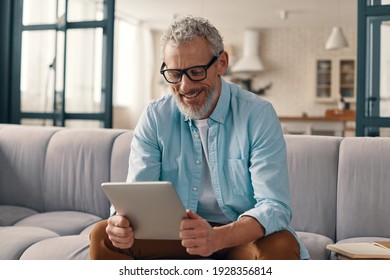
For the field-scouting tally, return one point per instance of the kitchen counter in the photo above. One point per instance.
(334, 123)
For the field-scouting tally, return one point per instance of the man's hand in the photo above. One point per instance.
(197, 236)
(120, 232)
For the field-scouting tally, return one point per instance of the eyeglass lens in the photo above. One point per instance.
(194, 74)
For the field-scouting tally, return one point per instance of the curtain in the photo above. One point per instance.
(134, 70)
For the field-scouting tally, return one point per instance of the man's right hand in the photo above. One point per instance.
(120, 232)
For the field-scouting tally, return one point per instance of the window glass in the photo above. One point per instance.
(377, 131)
(125, 66)
(84, 70)
(37, 122)
(379, 68)
(384, 132)
(84, 123)
(85, 10)
(59, 85)
(385, 69)
(37, 71)
(39, 12)
(377, 2)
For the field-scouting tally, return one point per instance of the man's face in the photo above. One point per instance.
(195, 99)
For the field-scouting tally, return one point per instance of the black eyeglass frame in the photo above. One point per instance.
(185, 71)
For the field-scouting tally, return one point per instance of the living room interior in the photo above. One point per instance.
(313, 88)
(68, 106)
(290, 40)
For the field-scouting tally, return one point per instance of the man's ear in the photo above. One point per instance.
(223, 63)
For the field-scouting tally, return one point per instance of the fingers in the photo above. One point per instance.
(119, 232)
(197, 246)
(196, 235)
(192, 215)
(119, 221)
(193, 221)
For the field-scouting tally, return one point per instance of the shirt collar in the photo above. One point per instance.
(220, 111)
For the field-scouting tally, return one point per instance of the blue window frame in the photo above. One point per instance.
(373, 75)
(62, 60)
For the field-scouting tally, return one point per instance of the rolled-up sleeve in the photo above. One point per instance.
(145, 155)
(269, 173)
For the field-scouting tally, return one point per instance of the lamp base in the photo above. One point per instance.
(247, 84)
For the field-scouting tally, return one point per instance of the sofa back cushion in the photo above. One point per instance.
(60, 169)
(77, 162)
(312, 166)
(120, 157)
(363, 199)
(22, 165)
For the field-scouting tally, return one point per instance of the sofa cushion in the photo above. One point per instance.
(74, 247)
(15, 240)
(120, 157)
(87, 230)
(312, 167)
(315, 244)
(78, 161)
(9, 214)
(22, 160)
(61, 222)
(363, 188)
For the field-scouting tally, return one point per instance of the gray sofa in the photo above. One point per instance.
(50, 196)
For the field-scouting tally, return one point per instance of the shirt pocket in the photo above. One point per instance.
(238, 177)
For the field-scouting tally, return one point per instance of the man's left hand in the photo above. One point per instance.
(197, 236)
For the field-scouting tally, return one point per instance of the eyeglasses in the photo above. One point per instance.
(194, 73)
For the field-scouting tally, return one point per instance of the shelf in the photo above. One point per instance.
(335, 77)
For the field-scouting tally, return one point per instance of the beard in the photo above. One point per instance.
(197, 112)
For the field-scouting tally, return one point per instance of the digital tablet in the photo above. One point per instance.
(153, 208)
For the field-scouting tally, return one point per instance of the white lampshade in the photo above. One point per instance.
(336, 39)
(250, 61)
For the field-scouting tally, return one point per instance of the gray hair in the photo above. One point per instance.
(187, 28)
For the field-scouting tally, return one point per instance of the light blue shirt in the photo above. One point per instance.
(246, 151)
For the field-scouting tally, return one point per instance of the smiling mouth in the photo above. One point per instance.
(191, 95)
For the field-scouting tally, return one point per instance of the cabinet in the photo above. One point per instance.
(335, 77)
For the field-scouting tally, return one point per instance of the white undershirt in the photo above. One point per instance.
(208, 207)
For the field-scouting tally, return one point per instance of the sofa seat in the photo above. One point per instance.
(9, 214)
(72, 247)
(15, 240)
(60, 222)
(316, 244)
(48, 235)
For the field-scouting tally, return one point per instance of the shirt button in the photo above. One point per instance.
(196, 136)
(197, 162)
(194, 189)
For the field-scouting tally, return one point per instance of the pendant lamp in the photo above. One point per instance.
(336, 39)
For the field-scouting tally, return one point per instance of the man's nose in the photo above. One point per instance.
(186, 84)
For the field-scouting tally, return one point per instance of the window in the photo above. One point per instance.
(373, 96)
(63, 62)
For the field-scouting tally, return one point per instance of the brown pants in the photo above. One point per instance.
(281, 245)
